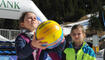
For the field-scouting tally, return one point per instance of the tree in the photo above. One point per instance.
(95, 24)
(10, 24)
(68, 10)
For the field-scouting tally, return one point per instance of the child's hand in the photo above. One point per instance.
(38, 44)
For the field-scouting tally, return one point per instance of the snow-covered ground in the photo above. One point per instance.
(5, 39)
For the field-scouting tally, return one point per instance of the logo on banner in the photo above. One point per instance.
(9, 5)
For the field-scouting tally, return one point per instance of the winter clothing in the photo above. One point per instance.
(83, 53)
(25, 51)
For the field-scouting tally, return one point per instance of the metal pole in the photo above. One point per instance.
(10, 34)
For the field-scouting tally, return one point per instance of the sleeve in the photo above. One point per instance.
(23, 49)
(92, 55)
(56, 53)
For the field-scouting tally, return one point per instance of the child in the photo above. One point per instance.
(78, 49)
(27, 47)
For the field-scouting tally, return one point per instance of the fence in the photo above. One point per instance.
(9, 34)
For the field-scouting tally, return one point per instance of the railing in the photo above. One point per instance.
(9, 34)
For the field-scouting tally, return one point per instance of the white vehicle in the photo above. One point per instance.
(12, 9)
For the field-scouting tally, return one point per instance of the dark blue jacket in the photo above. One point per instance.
(25, 51)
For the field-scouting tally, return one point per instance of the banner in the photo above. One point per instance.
(12, 9)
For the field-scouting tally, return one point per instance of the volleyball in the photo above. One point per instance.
(52, 33)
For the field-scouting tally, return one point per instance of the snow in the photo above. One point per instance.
(5, 39)
(67, 30)
(103, 37)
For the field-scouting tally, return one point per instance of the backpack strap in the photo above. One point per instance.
(28, 41)
(24, 37)
(34, 53)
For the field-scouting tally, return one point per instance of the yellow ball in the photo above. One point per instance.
(50, 30)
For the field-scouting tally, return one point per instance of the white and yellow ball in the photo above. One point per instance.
(51, 31)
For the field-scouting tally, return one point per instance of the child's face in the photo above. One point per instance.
(30, 22)
(77, 35)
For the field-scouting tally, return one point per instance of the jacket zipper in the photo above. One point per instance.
(76, 57)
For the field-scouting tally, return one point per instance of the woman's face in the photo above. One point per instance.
(77, 35)
(30, 21)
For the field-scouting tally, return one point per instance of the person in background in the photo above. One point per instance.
(78, 49)
(28, 47)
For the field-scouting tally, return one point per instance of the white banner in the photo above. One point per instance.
(12, 9)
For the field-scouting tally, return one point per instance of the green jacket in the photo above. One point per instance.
(84, 53)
